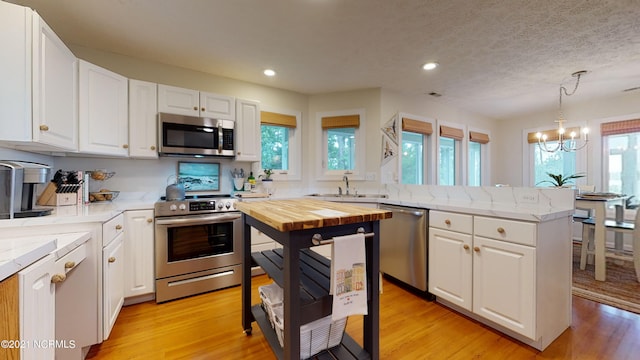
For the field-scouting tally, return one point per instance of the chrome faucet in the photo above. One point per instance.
(346, 181)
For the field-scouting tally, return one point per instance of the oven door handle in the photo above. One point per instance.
(199, 219)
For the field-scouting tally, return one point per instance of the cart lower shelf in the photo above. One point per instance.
(347, 350)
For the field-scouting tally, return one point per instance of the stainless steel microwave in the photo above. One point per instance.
(195, 136)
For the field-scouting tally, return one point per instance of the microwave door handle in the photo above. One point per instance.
(220, 138)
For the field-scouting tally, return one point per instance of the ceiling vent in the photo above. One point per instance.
(435, 94)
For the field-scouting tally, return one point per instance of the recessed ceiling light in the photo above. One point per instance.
(269, 72)
(430, 66)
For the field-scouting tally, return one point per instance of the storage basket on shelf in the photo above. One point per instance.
(271, 296)
(315, 336)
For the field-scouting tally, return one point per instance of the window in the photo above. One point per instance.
(621, 145)
(342, 144)
(558, 162)
(477, 158)
(449, 155)
(414, 139)
(475, 164)
(281, 143)
(412, 158)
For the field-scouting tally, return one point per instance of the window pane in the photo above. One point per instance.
(558, 162)
(275, 147)
(341, 145)
(475, 163)
(447, 161)
(412, 158)
(623, 154)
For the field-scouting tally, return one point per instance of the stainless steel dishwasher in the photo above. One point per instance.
(404, 246)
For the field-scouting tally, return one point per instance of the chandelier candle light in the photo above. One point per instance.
(564, 143)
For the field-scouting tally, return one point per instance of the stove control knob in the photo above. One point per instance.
(220, 205)
(235, 206)
(183, 207)
(173, 207)
(228, 205)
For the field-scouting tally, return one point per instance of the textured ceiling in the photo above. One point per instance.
(498, 58)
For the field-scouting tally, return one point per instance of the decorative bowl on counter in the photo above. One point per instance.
(103, 195)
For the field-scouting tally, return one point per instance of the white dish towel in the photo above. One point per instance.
(348, 276)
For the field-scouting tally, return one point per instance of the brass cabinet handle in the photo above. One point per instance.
(476, 249)
(149, 220)
(112, 259)
(44, 127)
(501, 230)
(195, 108)
(58, 278)
(202, 109)
(125, 146)
(69, 264)
(152, 147)
(465, 246)
(448, 222)
(118, 227)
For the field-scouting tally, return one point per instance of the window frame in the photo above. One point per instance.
(485, 157)
(460, 148)
(358, 173)
(295, 146)
(428, 153)
(528, 160)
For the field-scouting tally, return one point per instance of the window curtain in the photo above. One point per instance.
(452, 133)
(417, 126)
(271, 118)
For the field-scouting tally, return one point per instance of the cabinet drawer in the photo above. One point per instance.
(111, 229)
(508, 230)
(71, 260)
(451, 221)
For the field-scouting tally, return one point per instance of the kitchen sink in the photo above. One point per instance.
(344, 196)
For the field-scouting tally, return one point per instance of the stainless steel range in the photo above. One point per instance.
(198, 246)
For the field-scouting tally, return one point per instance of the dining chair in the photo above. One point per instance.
(588, 229)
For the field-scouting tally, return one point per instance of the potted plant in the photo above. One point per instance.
(559, 180)
(267, 175)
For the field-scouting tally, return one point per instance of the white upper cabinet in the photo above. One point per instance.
(248, 144)
(38, 91)
(143, 110)
(103, 105)
(176, 100)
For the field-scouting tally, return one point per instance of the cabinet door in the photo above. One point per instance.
(175, 100)
(55, 89)
(113, 282)
(248, 136)
(104, 123)
(451, 266)
(504, 284)
(217, 106)
(140, 277)
(15, 72)
(37, 308)
(143, 110)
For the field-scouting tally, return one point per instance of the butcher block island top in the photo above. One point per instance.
(300, 214)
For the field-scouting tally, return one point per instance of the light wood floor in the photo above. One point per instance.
(208, 327)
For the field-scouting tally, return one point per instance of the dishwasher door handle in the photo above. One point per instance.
(411, 212)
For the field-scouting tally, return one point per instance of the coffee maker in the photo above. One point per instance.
(18, 180)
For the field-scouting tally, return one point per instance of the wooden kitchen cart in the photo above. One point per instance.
(304, 275)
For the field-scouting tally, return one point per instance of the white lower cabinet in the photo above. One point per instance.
(112, 272)
(37, 309)
(138, 247)
(513, 275)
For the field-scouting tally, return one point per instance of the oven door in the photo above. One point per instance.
(186, 244)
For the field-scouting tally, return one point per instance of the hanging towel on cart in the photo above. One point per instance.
(348, 276)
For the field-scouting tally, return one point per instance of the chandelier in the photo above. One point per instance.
(566, 142)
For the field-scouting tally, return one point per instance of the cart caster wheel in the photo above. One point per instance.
(247, 331)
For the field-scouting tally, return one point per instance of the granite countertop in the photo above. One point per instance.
(19, 252)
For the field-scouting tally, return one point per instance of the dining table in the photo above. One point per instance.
(597, 204)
